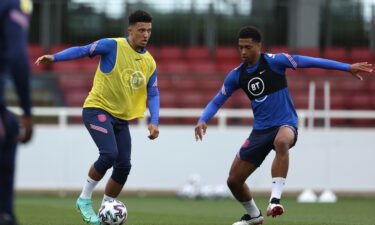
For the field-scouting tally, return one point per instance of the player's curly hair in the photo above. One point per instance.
(250, 32)
(139, 16)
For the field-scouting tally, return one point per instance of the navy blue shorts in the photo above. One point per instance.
(259, 144)
(110, 134)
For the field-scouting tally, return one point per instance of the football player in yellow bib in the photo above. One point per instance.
(124, 82)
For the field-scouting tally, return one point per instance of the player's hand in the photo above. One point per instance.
(154, 131)
(27, 129)
(360, 67)
(200, 130)
(44, 59)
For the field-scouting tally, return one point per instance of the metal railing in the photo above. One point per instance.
(306, 117)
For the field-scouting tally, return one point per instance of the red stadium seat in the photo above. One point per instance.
(35, 51)
(173, 66)
(370, 86)
(75, 98)
(361, 101)
(203, 67)
(58, 48)
(337, 102)
(239, 100)
(278, 49)
(185, 84)
(71, 82)
(165, 83)
(210, 84)
(348, 86)
(362, 54)
(298, 85)
(312, 71)
(194, 99)
(169, 52)
(224, 53)
(227, 58)
(227, 66)
(89, 65)
(168, 99)
(301, 100)
(152, 50)
(335, 53)
(67, 67)
(197, 54)
(312, 52)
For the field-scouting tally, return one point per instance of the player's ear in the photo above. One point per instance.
(130, 29)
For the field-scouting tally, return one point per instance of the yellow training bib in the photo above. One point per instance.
(123, 91)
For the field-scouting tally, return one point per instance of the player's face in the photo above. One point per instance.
(140, 34)
(249, 50)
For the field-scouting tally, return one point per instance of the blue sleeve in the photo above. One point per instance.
(15, 24)
(153, 99)
(279, 62)
(230, 85)
(101, 47)
(311, 62)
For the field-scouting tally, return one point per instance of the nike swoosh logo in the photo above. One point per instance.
(262, 71)
(137, 59)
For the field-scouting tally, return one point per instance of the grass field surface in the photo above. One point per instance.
(51, 210)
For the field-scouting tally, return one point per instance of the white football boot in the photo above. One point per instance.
(248, 220)
(274, 209)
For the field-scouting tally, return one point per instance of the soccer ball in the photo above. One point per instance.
(113, 212)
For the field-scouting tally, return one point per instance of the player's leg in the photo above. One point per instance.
(284, 140)
(239, 172)
(8, 146)
(251, 155)
(99, 124)
(122, 165)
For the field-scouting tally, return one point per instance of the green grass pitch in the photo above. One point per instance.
(149, 210)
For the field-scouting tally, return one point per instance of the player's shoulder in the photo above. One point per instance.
(234, 74)
(236, 69)
(274, 56)
(106, 43)
(150, 59)
(112, 40)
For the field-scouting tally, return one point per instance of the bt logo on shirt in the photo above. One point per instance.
(256, 86)
(137, 80)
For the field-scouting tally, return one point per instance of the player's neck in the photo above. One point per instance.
(255, 61)
(135, 47)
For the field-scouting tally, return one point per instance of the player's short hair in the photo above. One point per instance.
(250, 32)
(139, 16)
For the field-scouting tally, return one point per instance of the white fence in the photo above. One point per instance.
(59, 159)
(306, 117)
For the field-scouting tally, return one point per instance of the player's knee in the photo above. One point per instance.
(120, 175)
(105, 161)
(232, 182)
(282, 144)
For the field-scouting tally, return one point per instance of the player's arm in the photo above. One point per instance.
(15, 25)
(299, 61)
(230, 85)
(101, 47)
(153, 102)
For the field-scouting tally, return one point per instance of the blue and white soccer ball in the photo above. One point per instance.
(113, 212)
